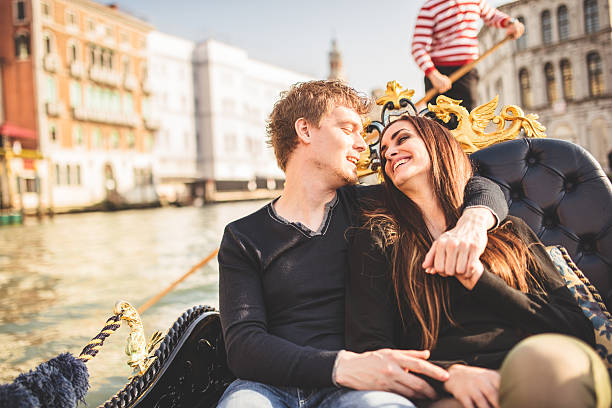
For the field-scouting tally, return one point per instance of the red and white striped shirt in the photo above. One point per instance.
(446, 31)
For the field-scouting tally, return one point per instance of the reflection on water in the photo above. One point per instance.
(60, 277)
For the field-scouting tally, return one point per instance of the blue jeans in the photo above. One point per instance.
(251, 394)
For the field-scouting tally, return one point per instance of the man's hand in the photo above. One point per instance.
(458, 250)
(473, 386)
(441, 82)
(388, 370)
(469, 280)
(515, 30)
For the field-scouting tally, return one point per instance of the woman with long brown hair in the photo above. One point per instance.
(472, 320)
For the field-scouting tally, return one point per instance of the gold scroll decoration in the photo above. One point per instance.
(470, 131)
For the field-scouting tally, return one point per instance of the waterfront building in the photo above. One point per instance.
(19, 141)
(234, 94)
(172, 112)
(560, 69)
(76, 79)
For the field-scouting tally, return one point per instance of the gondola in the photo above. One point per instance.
(556, 186)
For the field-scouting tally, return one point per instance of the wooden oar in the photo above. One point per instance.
(164, 292)
(463, 70)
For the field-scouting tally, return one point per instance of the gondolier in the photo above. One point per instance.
(445, 39)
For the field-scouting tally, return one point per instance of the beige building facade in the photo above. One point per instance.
(560, 69)
(91, 97)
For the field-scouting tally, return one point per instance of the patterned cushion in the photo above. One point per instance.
(588, 299)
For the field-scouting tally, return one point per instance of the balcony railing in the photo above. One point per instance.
(104, 116)
(151, 123)
(77, 70)
(54, 109)
(104, 76)
(130, 82)
(146, 86)
(51, 62)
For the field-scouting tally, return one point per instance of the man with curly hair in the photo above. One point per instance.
(282, 269)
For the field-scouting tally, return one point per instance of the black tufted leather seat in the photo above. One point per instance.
(563, 194)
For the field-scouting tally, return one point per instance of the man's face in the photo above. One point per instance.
(337, 142)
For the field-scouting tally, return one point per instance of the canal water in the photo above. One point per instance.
(60, 277)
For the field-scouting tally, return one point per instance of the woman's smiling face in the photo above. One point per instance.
(407, 162)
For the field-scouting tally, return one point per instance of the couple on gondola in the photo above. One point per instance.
(416, 292)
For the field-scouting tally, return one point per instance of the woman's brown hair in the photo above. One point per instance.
(400, 223)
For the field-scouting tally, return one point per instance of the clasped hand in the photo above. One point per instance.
(473, 386)
(388, 370)
(456, 252)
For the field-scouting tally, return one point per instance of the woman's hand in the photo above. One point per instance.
(473, 386)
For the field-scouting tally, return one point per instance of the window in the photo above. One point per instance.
(546, 27)
(77, 174)
(91, 26)
(114, 139)
(73, 52)
(22, 46)
(525, 87)
(45, 9)
(51, 88)
(77, 135)
(97, 97)
(115, 102)
(131, 140)
(144, 71)
(52, 133)
(149, 142)
(128, 103)
(71, 18)
(31, 185)
(596, 85)
(521, 43)
(107, 99)
(125, 62)
(20, 11)
(591, 16)
(97, 138)
(563, 22)
(146, 107)
(48, 43)
(568, 80)
(551, 85)
(76, 96)
(58, 175)
(92, 55)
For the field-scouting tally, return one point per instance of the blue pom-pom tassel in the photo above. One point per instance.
(14, 395)
(58, 383)
(75, 371)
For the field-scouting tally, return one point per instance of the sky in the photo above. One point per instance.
(374, 39)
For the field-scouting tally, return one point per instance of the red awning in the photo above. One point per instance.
(10, 130)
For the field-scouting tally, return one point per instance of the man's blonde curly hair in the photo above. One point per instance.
(312, 101)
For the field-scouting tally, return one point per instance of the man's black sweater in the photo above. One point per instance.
(282, 288)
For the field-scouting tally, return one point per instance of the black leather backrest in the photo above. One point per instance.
(563, 194)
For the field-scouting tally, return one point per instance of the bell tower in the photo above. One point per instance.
(335, 63)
